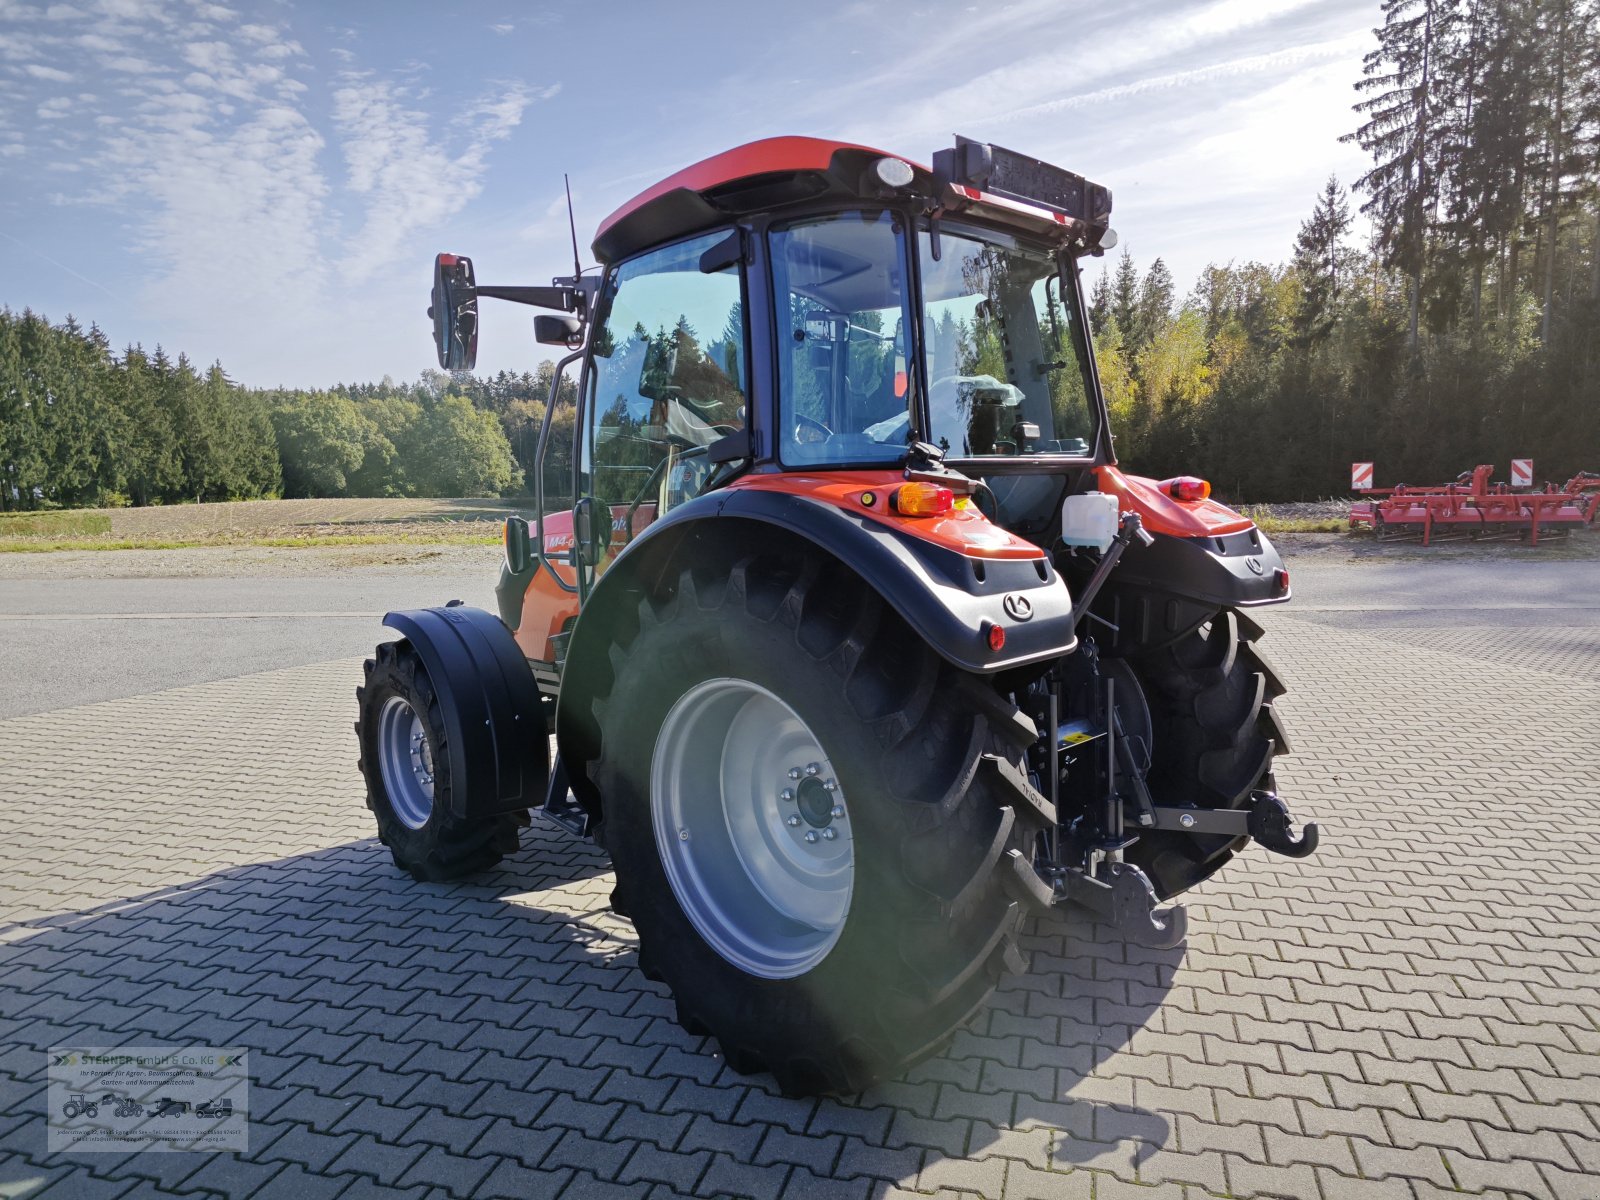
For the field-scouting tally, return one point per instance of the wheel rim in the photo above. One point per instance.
(752, 828)
(405, 757)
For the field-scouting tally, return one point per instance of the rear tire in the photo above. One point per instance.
(408, 781)
(1214, 735)
(928, 760)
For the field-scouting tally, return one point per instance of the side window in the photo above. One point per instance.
(844, 394)
(668, 378)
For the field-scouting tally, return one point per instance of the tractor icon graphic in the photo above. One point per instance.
(80, 1106)
(215, 1108)
(166, 1106)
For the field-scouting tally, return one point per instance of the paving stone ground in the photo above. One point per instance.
(1410, 1013)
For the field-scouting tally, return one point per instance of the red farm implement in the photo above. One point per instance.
(1473, 507)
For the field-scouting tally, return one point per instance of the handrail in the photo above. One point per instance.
(538, 468)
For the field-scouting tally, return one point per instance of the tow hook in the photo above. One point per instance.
(1122, 897)
(1270, 824)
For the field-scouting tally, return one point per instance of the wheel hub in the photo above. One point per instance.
(750, 824)
(815, 802)
(405, 760)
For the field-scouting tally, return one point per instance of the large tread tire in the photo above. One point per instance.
(446, 846)
(942, 816)
(1214, 733)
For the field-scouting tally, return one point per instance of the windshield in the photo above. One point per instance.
(1005, 372)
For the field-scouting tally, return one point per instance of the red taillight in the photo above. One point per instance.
(1281, 578)
(1186, 487)
(923, 500)
(997, 637)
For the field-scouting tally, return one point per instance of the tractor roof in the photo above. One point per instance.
(749, 178)
(1002, 185)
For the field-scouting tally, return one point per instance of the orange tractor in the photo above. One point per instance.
(857, 646)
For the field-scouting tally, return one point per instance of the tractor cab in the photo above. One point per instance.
(800, 305)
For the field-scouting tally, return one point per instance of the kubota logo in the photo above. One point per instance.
(1018, 607)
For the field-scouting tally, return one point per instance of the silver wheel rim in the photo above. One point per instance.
(752, 827)
(406, 759)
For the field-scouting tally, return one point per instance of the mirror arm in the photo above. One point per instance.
(563, 298)
(538, 469)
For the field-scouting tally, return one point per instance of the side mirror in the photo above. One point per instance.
(519, 547)
(556, 330)
(455, 312)
(591, 529)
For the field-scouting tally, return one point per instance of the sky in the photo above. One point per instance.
(265, 183)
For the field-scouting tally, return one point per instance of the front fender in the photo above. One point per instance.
(499, 747)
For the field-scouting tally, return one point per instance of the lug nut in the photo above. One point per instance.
(791, 821)
(811, 835)
(837, 812)
(1186, 821)
(683, 835)
(794, 772)
(813, 769)
(787, 794)
(830, 786)
(829, 834)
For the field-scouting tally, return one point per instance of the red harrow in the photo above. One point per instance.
(1473, 507)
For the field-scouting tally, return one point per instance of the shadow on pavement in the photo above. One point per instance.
(457, 1034)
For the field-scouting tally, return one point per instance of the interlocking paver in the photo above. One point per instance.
(1372, 1021)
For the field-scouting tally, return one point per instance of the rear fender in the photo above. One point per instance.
(499, 746)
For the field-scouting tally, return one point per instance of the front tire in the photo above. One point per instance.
(1214, 734)
(830, 962)
(405, 757)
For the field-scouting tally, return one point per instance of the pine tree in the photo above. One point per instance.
(1125, 297)
(1319, 257)
(1154, 310)
(1100, 303)
(1403, 185)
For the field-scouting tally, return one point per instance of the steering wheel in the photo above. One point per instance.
(820, 431)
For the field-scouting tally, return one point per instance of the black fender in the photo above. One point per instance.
(494, 722)
(1160, 592)
(949, 599)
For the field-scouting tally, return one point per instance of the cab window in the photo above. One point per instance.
(845, 395)
(667, 378)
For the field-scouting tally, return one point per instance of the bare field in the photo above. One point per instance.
(259, 522)
(307, 536)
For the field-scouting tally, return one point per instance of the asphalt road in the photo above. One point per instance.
(73, 641)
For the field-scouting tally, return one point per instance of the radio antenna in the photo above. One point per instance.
(572, 223)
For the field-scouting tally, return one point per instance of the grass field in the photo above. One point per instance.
(259, 523)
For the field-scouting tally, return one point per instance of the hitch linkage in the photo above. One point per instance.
(1267, 820)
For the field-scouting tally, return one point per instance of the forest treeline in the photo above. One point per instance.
(81, 425)
(1464, 329)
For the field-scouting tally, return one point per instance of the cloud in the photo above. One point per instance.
(411, 176)
(502, 30)
(54, 109)
(53, 74)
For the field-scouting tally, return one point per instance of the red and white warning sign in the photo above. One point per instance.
(1360, 477)
(1522, 472)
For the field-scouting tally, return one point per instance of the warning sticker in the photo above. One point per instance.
(1522, 472)
(1360, 477)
